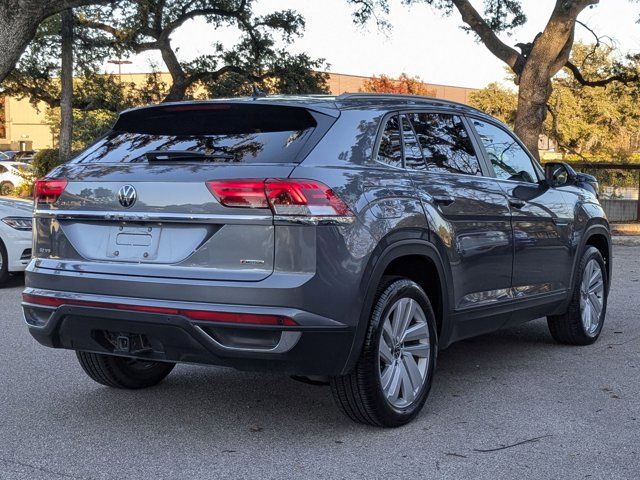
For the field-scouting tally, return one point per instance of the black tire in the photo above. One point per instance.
(360, 394)
(4, 269)
(568, 327)
(6, 188)
(123, 372)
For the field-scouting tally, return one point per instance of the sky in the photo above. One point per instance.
(421, 42)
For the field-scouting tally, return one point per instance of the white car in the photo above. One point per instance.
(15, 236)
(13, 174)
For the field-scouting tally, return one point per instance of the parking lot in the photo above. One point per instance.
(504, 405)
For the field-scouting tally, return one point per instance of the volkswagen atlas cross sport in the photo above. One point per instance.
(349, 238)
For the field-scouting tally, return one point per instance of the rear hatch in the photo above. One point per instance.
(140, 201)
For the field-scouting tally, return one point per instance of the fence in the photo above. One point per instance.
(619, 188)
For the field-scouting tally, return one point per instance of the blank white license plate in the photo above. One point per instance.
(133, 244)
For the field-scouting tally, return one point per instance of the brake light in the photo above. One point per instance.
(198, 315)
(288, 197)
(48, 190)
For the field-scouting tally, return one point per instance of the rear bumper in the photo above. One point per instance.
(315, 346)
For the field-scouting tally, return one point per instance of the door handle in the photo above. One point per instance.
(444, 200)
(516, 202)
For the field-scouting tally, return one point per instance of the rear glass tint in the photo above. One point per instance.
(228, 133)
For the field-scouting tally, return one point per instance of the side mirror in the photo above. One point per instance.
(558, 174)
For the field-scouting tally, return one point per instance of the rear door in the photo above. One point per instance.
(140, 200)
(542, 219)
(468, 212)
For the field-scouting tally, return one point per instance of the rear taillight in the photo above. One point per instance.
(48, 190)
(239, 193)
(287, 197)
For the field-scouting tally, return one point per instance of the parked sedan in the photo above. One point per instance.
(13, 174)
(15, 236)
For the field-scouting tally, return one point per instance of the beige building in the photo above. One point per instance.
(23, 127)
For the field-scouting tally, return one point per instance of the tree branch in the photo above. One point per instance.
(603, 82)
(504, 52)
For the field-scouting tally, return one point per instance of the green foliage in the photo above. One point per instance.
(37, 74)
(229, 69)
(602, 121)
(586, 122)
(87, 125)
(44, 161)
(496, 100)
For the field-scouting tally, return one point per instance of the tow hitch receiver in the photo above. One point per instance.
(129, 343)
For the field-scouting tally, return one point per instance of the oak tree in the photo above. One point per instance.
(534, 63)
(147, 25)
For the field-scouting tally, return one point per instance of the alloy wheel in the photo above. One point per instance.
(591, 297)
(404, 352)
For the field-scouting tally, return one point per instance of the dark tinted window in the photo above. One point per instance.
(390, 150)
(227, 133)
(3, 169)
(445, 143)
(509, 160)
(412, 154)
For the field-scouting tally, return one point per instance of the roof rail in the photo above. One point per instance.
(401, 96)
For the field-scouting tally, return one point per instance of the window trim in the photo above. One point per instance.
(485, 170)
(403, 115)
(536, 165)
(376, 145)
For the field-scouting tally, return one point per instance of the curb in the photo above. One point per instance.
(626, 240)
(625, 228)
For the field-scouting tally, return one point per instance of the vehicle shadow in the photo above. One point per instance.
(201, 402)
(14, 280)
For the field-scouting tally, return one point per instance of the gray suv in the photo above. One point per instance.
(343, 238)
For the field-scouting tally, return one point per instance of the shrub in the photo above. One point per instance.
(44, 161)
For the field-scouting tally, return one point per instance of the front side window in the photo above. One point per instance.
(509, 160)
(445, 143)
(390, 150)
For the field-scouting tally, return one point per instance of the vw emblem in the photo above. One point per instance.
(127, 196)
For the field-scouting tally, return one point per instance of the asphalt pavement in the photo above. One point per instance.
(508, 405)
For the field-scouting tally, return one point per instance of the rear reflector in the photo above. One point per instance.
(48, 190)
(199, 315)
(289, 197)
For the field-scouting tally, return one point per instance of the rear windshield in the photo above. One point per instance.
(225, 133)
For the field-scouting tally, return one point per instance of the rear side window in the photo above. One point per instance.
(225, 133)
(509, 160)
(390, 149)
(445, 143)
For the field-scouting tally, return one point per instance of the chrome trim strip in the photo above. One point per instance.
(314, 220)
(153, 217)
(288, 340)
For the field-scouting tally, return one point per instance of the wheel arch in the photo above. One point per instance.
(596, 235)
(401, 258)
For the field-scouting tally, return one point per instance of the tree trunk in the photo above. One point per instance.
(66, 80)
(533, 93)
(179, 81)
